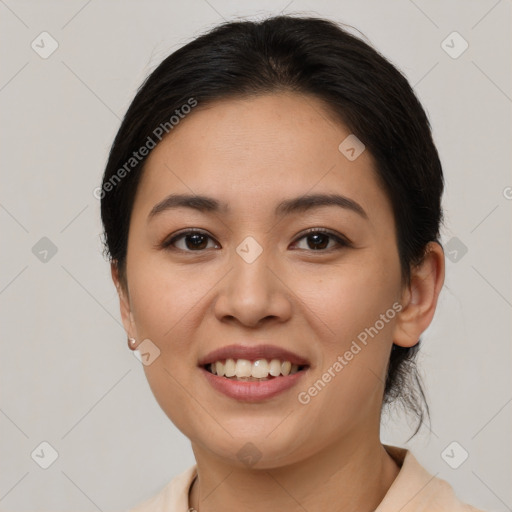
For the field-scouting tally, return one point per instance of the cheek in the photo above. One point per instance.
(163, 305)
(355, 318)
(349, 298)
(165, 297)
(347, 387)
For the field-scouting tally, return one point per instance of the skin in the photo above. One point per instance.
(253, 153)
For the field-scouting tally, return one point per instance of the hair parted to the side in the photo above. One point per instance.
(361, 89)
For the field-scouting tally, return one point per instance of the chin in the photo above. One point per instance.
(261, 446)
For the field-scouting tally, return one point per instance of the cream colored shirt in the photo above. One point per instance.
(413, 490)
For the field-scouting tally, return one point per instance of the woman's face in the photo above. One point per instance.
(255, 278)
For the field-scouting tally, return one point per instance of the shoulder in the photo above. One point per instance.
(174, 496)
(417, 490)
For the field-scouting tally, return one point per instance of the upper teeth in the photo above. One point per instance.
(258, 369)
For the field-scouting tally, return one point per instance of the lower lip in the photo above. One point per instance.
(252, 391)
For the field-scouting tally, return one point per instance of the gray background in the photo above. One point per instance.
(67, 376)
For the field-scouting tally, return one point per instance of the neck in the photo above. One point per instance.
(352, 475)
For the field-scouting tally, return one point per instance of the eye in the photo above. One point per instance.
(191, 241)
(318, 239)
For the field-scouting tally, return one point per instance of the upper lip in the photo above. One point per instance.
(252, 353)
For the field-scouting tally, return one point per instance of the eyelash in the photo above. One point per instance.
(342, 241)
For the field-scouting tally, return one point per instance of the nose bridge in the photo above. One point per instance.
(251, 292)
(250, 279)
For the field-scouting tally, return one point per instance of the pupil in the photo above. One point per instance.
(318, 244)
(197, 241)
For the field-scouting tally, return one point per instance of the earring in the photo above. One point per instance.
(131, 342)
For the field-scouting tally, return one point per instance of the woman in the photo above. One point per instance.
(271, 205)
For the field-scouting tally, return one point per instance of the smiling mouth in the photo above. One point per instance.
(253, 371)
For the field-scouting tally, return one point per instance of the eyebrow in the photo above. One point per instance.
(203, 203)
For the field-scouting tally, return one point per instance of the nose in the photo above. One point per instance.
(253, 293)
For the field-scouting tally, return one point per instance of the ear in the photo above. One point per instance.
(124, 302)
(419, 298)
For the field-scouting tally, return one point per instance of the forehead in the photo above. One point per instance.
(262, 149)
